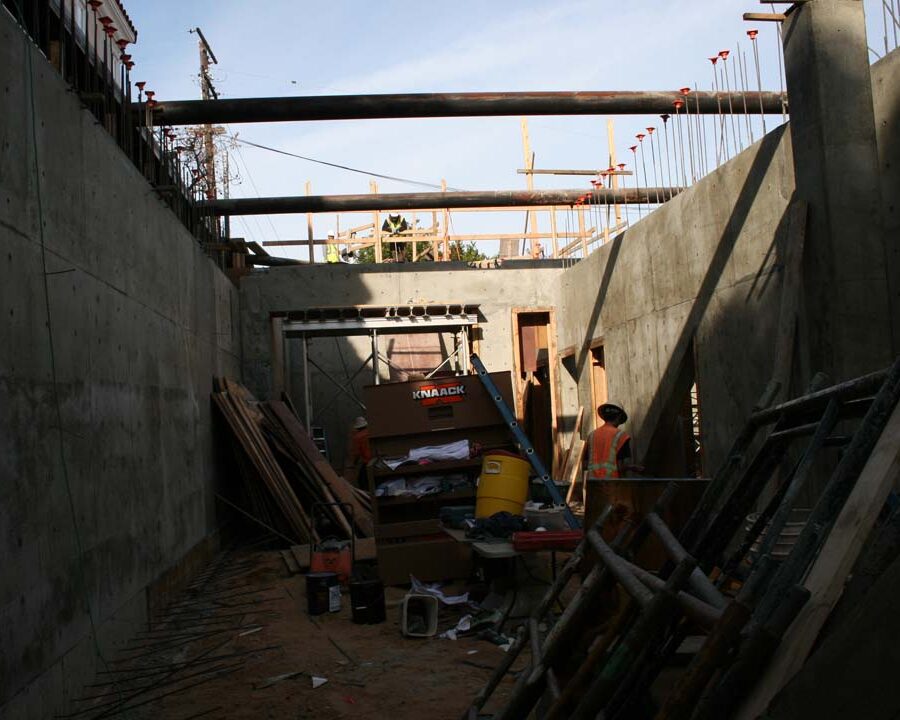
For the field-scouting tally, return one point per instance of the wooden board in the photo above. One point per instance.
(246, 431)
(339, 487)
(835, 561)
(576, 435)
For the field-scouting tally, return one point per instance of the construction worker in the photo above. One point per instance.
(610, 446)
(360, 452)
(395, 224)
(331, 250)
(609, 457)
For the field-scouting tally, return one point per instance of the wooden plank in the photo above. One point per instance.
(576, 435)
(339, 487)
(250, 438)
(764, 17)
(301, 555)
(555, 401)
(831, 568)
(407, 529)
(290, 561)
(309, 229)
(573, 471)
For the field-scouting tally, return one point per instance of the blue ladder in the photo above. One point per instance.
(523, 441)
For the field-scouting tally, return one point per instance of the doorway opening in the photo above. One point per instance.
(536, 380)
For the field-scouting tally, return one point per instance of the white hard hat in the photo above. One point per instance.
(360, 423)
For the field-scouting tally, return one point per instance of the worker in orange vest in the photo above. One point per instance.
(360, 453)
(610, 446)
(609, 457)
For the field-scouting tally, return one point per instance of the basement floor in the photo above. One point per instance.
(240, 644)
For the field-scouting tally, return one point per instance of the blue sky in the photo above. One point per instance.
(303, 48)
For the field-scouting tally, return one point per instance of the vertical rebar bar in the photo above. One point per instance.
(743, 58)
(752, 34)
(650, 131)
(665, 118)
(678, 104)
(700, 137)
(720, 130)
(690, 131)
(637, 180)
(735, 125)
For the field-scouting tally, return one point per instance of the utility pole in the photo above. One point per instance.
(207, 92)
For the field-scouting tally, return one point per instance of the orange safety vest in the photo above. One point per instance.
(606, 441)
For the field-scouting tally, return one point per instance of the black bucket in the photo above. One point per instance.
(367, 601)
(323, 593)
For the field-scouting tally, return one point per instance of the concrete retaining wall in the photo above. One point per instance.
(141, 321)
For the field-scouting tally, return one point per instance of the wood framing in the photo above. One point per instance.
(552, 371)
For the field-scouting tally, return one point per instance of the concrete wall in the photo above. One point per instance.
(706, 269)
(497, 290)
(886, 99)
(702, 269)
(141, 321)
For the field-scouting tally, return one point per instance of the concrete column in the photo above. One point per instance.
(848, 328)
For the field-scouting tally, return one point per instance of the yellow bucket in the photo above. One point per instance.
(503, 485)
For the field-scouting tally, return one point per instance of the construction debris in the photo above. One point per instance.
(723, 580)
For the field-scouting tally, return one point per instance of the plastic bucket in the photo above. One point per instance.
(419, 615)
(367, 601)
(502, 485)
(323, 593)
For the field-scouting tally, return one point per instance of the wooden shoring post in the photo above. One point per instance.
(446, 220)
(582, 232)
(277, 343)
(435, 242)
(309, 228)
(554, 238)
(415, 246)
(376, 226)
(610, 139)
(715, 650)
(555, 399)
(643, 636)
(529, 179)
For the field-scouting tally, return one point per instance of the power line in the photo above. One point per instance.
(341, 167)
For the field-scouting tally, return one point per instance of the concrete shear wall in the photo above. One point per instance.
(703, 268)
(142, 320)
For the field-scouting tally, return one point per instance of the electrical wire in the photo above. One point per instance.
(407, 181)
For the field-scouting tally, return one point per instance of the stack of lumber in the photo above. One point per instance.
(286, 483)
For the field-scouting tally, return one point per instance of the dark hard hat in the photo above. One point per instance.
(611, 411)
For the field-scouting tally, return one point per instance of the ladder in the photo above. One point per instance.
(523, 440)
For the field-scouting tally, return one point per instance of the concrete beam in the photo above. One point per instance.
(431, 200)
(419, 105)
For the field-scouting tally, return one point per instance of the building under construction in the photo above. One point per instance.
(364, 475)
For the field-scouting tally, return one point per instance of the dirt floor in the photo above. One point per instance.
(240, 644)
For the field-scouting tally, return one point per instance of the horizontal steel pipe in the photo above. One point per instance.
(422, 105)
(430, 200)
